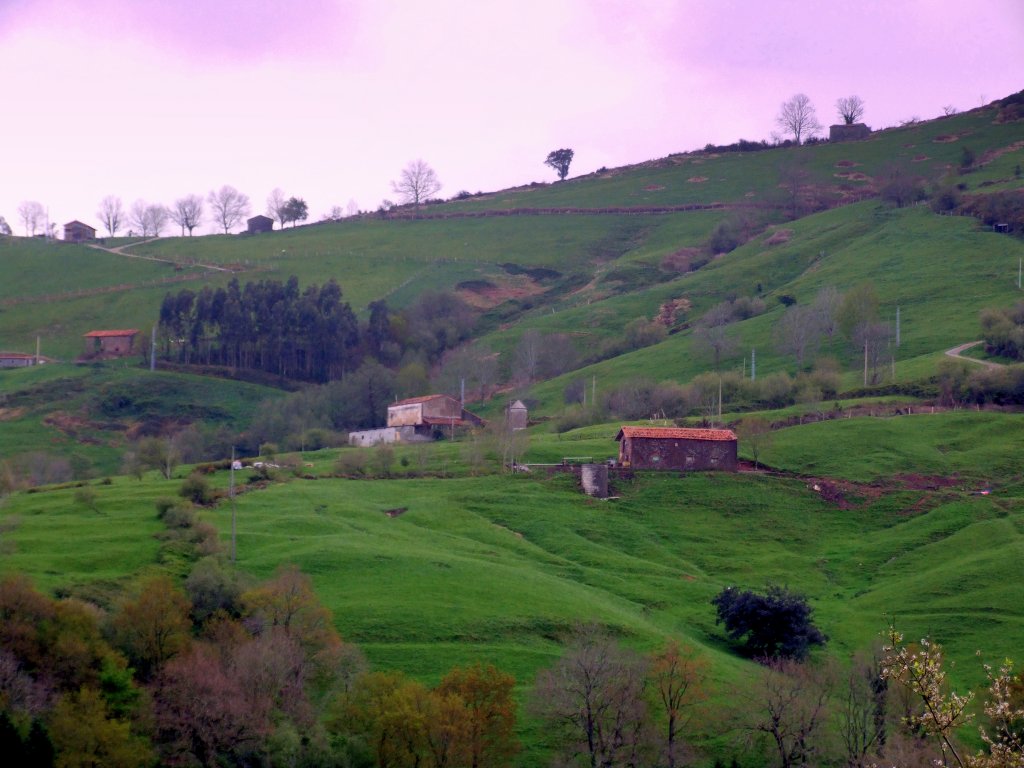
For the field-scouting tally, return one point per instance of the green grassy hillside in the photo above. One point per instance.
(870, 517)
(92, 413)
(500, 567)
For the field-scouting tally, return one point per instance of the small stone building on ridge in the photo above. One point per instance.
(258, 224)
(677, 448)
(77, 232)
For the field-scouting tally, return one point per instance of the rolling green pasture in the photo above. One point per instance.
(929, 149)
(499, 568)
(85, 412)
(981, 448)
(941, 271)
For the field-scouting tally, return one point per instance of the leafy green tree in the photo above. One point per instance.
(38, 747)
(154, 626)
(295, 210)
(774, 624)
(11, 745)
(559, 160)
(486, 695)
(85, 736)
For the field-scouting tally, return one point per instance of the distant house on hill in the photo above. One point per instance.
(431, 411)
(852, 132)
(110, 343)
(77, 232)
(677, 448)
(258, 224)
(418, 419)
(16, 360)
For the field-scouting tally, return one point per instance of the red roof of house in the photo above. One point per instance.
(109, 334)
(679, 433)
(421, 399)
(79, 223)
(15, 355)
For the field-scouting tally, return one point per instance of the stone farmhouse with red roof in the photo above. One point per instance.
(677, 448)
(110, 343)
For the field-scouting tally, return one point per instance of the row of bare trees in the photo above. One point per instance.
(228, 207)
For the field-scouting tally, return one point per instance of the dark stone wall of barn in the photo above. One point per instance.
(679, 454)
(854, 132)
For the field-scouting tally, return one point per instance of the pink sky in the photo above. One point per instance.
(329, 100)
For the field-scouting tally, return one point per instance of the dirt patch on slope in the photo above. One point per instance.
(779, 236)
(917, 482)
(697, 179)
(845, 494)
(10, 414)
(485, 294)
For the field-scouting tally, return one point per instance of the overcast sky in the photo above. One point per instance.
(330, 99)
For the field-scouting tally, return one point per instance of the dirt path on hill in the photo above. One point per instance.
(957, 353)
(120, 251)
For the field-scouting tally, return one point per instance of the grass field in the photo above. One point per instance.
(90, 413)
(499, 568)
(872, 518)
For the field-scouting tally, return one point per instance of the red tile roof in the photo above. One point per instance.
(679, 433)
(108, 334)
(15, 355)
(421, 399)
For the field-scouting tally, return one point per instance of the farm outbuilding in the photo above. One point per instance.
(677, 448)
(110, 343)
(517, 416)
(77, 232)
(258, 224)
(16, 360)
(418, 420)
(431, 411)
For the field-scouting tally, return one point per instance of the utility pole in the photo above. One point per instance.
(593, 391)
(865, 362)
(231, 495)
(1020, 263)
(897, 325)
(753, 365)
(719, 399)
(37, 350)
(152, 350)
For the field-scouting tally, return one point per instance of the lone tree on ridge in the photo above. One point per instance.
(850, 108)
(797, 117)
(416, 183)
(560, 159)
(229, 206)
